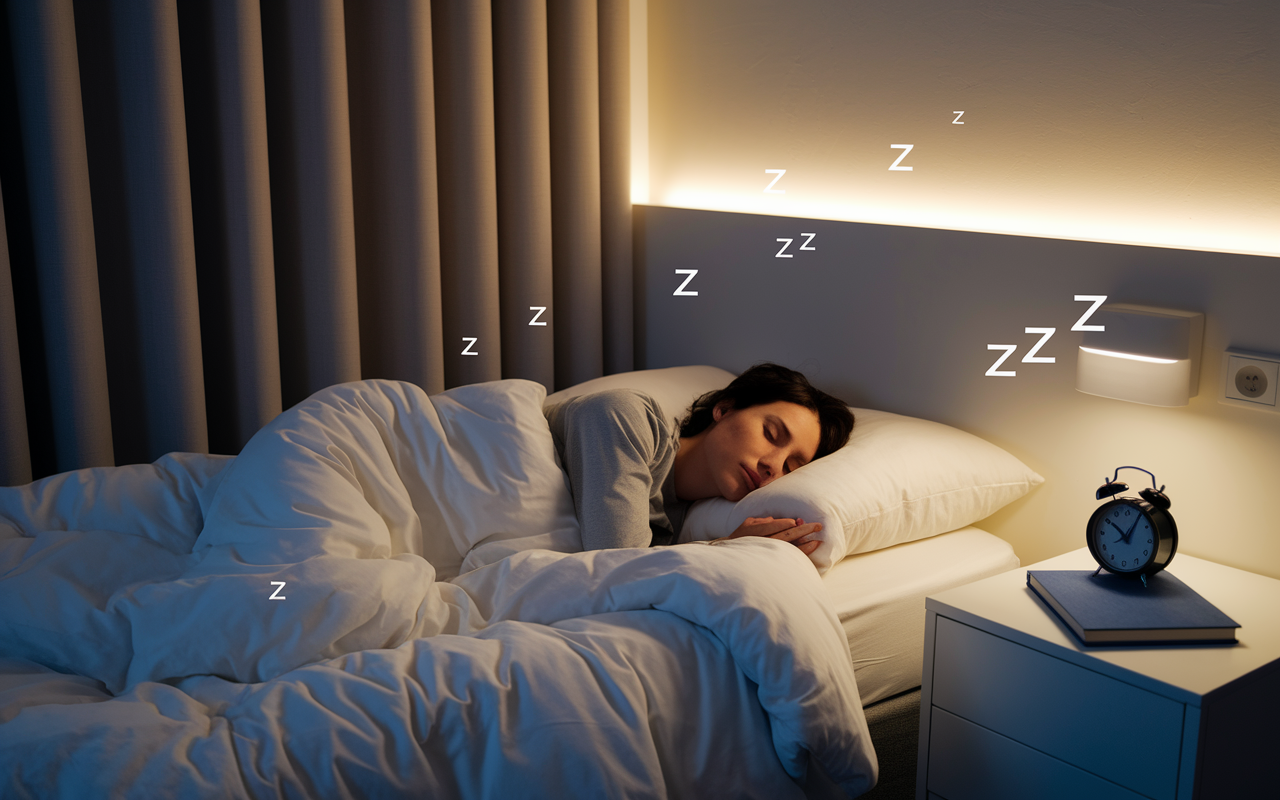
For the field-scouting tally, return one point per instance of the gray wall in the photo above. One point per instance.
(899, 318)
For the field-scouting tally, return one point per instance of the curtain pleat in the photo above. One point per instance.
(161, 246)
(615, 185)
(309, 134)
(393, 130)
(214, 208)
(523, 125)
(222, 67)
(463, 51)
(574, 68)
(15, 457)
(47, 74)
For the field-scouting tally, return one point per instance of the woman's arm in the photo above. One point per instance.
(611, 443)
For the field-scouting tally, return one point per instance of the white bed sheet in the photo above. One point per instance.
(879, 597)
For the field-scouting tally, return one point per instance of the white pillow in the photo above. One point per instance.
(898, 479)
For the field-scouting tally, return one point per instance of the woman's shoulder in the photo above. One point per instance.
(629, 408)
(618, 401)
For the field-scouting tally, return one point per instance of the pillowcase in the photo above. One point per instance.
(897, 480)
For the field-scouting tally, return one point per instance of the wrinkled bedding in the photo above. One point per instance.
(382, 596)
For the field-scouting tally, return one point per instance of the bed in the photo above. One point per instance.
(381, 596)
(879, 598)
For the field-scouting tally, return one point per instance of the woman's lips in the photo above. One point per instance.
(753, 480)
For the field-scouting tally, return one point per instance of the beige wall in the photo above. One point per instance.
(1137, 121)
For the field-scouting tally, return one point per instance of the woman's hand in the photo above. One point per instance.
(783, 529)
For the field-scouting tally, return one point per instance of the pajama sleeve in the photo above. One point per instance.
(616, 449)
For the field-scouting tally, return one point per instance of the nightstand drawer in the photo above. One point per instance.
(967, 762)
(1114, 730)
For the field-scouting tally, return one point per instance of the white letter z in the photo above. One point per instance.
(995, 370)
(279, 588)
(1097, 300)
(1031, 357)
(769, 189)
(906, 148)
(680, 292)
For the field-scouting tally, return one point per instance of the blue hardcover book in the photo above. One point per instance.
(1107, 609)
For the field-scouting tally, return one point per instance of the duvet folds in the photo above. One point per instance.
(382, 596)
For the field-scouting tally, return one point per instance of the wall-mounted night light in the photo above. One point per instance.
(1143, 355)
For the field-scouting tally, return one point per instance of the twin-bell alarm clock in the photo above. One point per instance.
(1132, 536)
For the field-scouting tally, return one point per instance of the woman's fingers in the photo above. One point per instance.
(797, 532)
(769, 523)
(762, 526)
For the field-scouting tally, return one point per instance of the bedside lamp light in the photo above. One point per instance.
(1143, 355)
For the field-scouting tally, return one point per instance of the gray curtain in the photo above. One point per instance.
(213, 208)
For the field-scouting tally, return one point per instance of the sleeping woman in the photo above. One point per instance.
(625, 458)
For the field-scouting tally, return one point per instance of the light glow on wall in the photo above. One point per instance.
(980, 215)
(1135, 122)
(639, 30)
(1129, 356)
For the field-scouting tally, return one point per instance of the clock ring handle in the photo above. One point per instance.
(1155, 496)
(1139, 469)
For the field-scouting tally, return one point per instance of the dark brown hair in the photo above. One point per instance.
(768, 383)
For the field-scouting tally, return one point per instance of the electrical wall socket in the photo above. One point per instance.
(1250, 380)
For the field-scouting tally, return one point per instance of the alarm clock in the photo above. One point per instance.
(1133, 536)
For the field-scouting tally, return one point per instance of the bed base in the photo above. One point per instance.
(895, 732)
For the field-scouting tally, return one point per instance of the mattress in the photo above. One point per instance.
(880, 599)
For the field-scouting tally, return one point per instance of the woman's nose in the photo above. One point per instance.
(767, 472)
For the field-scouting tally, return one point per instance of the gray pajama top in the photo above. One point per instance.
(618, 449)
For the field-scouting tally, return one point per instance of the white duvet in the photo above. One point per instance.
(380, 596)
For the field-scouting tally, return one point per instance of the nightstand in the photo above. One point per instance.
(1012, 706)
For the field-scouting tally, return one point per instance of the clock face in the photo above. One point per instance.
(1123, 536)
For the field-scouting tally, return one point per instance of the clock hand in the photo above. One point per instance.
(1117, 527)
(1131, 527)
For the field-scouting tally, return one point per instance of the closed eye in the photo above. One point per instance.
(768, 434)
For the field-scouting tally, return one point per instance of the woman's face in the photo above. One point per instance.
(752, 447)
